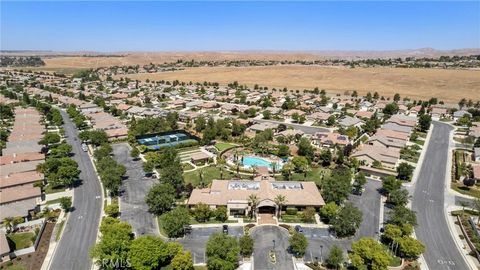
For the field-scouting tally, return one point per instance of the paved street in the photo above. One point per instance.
(132, 195)
(80, 231)
(428, 202)
(196, 241)
(306, 129)
(264, 236)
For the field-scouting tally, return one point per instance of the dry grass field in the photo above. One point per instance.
(448, 85)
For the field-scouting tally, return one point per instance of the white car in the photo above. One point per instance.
(84, 147)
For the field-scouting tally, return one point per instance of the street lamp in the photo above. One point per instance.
(321, 253)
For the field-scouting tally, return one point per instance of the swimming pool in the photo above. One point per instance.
(250, 161)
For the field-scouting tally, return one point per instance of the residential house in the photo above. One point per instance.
(329, 139)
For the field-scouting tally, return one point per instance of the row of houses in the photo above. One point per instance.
(18, 163)
(385, 145)
(99, 120)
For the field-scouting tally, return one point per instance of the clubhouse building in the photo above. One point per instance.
(234, 195)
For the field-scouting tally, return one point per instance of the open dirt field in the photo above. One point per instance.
(448, 85)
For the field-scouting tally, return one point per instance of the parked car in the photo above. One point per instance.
(84, 147)
(299, 229)
(225, 229)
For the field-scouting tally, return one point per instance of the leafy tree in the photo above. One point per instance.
(399, 197)
(246, 245)
(148, 252)
(337, 186)
(174, 221)
(308, 214)
(68, 174)
(160, 198)
(103, 151)
(402, 215)
(392, 232)
(360, 180)
(114, 245)
(329, 211)
(283, 150)
(49, 138)
(347, 221)
(298, 243)
(305, 148)
(300, 163)
(390, 184)
(326, 157)
(267, 114)
(424, 122)
(390, 109)
(404, 171)
(112, 210)
(221, 213)
(182, 261)
(335, 257)
(202, 212)
(59, 151)
(66, 203)
(369, 254)
(134, 153)
(222, 252)
(331, 120)
(411, 247)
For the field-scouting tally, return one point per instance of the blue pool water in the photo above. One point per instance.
(259, 162)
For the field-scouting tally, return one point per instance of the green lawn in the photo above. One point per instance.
(187, 166)
(49, 189)
(22, 240)
(222, 146)
(55, 201)
(209, 173)
(59, 231)
(459, 187)
(315, 174)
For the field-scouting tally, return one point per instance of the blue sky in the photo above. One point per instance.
(194, 26)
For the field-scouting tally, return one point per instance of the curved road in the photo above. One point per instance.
(428, 202)
(80, 231)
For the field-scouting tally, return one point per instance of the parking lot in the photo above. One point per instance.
(133, 191)
(196, 241)
(264, 237)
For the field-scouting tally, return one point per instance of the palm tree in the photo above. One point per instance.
(200, 176)
(280, 201)
(254, 172)
(253, 200)
(274, 167)
(467, 171)
(8, 222)
(305, 169)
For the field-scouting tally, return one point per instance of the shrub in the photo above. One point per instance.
(291, 211)
(286, 226)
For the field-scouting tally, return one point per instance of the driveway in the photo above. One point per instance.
(196, 241)
(264, 236)
(132, 194)
(428, 202)
(80, 231)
